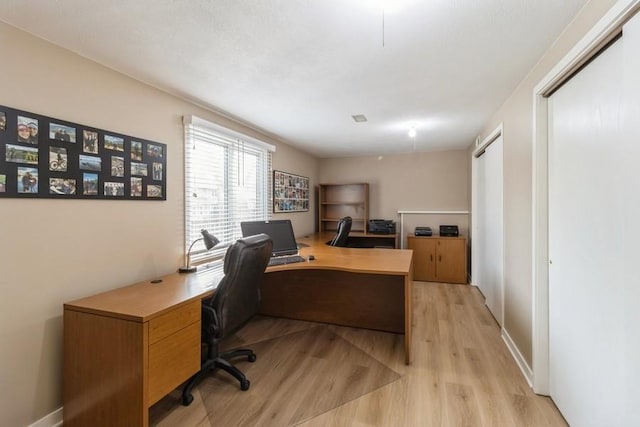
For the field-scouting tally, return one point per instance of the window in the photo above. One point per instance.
(227, 180)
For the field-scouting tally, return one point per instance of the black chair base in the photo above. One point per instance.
(222, 362)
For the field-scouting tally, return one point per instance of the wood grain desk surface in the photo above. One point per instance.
(357, 260)
(145, 300)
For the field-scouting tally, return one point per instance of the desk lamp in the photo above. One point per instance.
(209, 242)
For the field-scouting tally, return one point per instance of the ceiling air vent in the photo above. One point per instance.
(359, 118)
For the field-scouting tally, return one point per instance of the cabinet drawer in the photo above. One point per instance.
(171, 322)
(172, 360)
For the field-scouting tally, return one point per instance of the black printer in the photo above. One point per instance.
(382, 226)
(423, 231)
(449, 230)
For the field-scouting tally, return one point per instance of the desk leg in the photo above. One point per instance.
(408, 285)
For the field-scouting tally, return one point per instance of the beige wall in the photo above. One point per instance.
(413, 181)
(57, 250)
(294, 161)
(516, 114)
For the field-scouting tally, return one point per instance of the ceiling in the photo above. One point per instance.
(298, 70)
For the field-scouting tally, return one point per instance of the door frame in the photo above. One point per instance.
(480, 148)
(591, 43)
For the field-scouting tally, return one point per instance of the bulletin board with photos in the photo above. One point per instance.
(290, 192)
(44, 157)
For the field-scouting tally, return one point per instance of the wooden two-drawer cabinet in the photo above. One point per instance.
(125, 349)
(439, 259)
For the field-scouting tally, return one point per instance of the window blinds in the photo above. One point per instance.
(227, 180)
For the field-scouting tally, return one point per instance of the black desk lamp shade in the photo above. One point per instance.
(209, 242)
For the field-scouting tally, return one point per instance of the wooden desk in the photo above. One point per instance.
(364, 288)
(371, 240)
(125, 349)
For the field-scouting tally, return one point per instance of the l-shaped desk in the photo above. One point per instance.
(127, 348)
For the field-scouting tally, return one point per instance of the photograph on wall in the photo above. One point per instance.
(113, 143)
(57, 159)
(90, 184)
(117, 166)
(90, 163)
(90, 141)
(139, 169)
(136, 151)
(67, 160)
(27, 180)
(154, 191)
(62, 133)
(27, 130)
(114, 189)
(154, 151)
(136, 187)
(157, 171)
(62, 186)
(290, 192)
(20, 154)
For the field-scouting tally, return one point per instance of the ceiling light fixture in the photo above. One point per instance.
(359, 118)
(412, 135)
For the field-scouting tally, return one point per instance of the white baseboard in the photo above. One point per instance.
(54, 419)
(522, 364)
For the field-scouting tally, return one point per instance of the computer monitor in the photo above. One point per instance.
(280, 231)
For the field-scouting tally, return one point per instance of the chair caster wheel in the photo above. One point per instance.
(244, 385)
(252, 358)
(187, 399)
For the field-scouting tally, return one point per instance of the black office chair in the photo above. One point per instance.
(235, 301)
(342, 233)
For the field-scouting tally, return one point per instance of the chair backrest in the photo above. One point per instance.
(342, 233)
(237, 297)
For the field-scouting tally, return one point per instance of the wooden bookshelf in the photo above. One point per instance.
(340, 200)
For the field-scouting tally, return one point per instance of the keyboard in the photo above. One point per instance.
(286, 260)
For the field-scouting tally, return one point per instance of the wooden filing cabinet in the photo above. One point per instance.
(117, 364)
(439, 259)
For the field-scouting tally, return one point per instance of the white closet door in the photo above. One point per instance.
(594, 211)
(490, 228)
(628, 370)
(478, 245)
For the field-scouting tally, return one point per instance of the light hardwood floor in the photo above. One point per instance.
(312, 375)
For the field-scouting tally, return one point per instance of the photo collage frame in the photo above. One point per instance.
(290, 192)
(44, 157)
